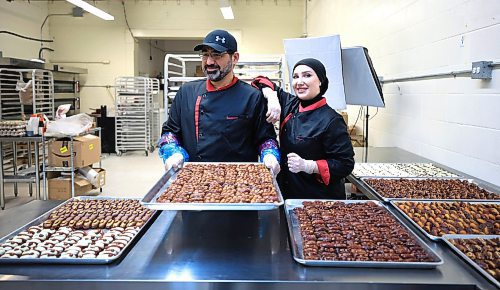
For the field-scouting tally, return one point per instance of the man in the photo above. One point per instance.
(220, 118)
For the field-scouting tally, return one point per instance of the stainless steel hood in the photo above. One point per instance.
(12, 62)
(23, 63)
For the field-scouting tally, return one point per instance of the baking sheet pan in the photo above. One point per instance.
(394, 202)
(296, 239)
(150, 199)
(402, 174)
(388, 199)
(39, 220)
(447, 238)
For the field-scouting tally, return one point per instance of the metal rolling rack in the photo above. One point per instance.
(134, 113)
(248, 67)
(11, 108)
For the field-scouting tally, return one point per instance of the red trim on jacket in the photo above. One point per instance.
(324, 171)
(284, 122)
(197, 115)
(211, 88)
(314, 106)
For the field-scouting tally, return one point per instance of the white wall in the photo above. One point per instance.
(25, 20)
(93, 40)
(454, 121)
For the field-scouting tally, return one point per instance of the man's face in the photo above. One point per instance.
(216, 65)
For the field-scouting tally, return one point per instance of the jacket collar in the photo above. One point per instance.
(312, 107)
(211, 88)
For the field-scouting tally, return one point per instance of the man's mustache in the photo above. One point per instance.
(212, 66)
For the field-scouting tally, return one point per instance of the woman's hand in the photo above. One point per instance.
(297, 164)
(273, 105)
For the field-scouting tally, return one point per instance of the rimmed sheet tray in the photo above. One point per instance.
(296, 240)
(38, 222)
(150, 199)
(395, 202)
(380, 170)
(388, 199)
(447, 238)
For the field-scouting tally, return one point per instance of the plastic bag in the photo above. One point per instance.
(73, 125)
(62, 110)
(25, 92)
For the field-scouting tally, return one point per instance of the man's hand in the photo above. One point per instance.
(297, 164)
(176, 161)
(272, 163)
(273, 105)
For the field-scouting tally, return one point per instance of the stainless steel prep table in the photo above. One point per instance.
(222, 250)
(394, 154)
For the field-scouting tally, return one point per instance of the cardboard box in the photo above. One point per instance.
(86, 151)
(199, 71)
(358, 140)
(60, 187)
(345, 116)
(101, 177)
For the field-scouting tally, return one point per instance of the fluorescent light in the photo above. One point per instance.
(92, 9)
(227, 12)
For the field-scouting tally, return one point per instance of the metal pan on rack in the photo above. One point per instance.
(395, 202)
(388, 199)
(39, 220)
(150, 199)
(447, 238)
(297, 248)
(401, 173)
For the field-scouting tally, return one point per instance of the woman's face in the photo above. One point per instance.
(305, 82)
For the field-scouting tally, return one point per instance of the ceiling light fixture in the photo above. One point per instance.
(226, 10)
(92, 9)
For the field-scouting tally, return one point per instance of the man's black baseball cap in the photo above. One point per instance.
(219, 40)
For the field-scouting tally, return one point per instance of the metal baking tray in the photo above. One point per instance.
(154, 193)
(394, 202)
(39, 220)
(388, 199)
(407, 175)
(447, 238)
(296, 239)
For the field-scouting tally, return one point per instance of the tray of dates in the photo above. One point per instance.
(480, 251)
(438, 218)
(409, 170)
(82, 230)
(388, 189)
(215, 186)
(353, 233)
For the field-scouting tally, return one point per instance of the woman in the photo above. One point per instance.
(316, 150)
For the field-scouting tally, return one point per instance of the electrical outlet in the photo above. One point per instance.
(481, 70)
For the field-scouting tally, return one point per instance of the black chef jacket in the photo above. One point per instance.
(319, 133)
(219, 125)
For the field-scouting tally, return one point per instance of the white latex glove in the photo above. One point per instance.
(273, 105)
(272, 163)
(297, 164)
(176, 161)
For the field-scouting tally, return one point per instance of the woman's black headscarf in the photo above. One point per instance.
(320, 71)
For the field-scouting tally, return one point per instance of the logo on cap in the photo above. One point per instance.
(223, 39)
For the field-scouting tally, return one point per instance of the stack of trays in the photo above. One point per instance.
(83, 230)
(353, 234)
(215, 186)
(444, 207)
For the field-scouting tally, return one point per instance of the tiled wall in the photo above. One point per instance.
(454, 121)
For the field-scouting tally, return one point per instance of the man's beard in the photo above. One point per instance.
(218, 74)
